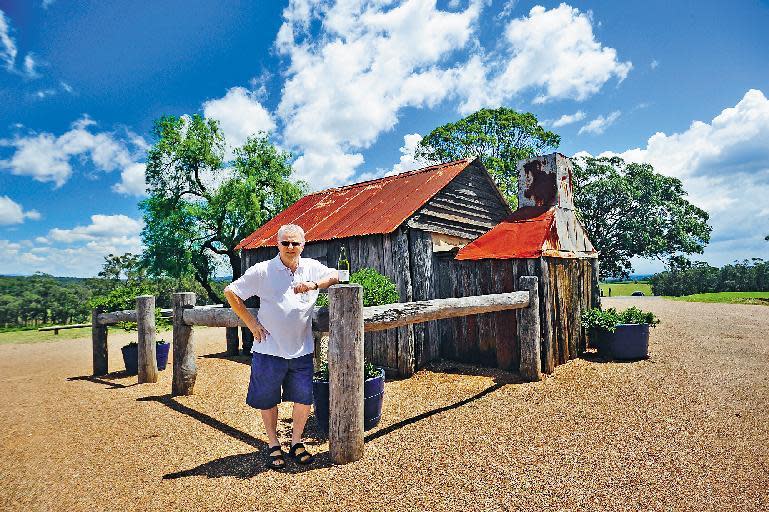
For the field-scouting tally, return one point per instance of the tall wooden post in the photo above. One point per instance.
(185, 369)
(99, 344)
(145, 324)
(345, 365)
(528, 331)
(233, 343)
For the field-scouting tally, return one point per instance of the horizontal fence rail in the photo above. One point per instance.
(388, 316)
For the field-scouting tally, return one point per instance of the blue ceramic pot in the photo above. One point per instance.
(627, 342)
(131, 357)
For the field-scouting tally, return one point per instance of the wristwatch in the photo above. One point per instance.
(316, 285)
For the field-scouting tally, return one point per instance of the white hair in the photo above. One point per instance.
(290, 228)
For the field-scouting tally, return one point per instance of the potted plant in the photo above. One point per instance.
(619, 335)
(373, 396)
(377, 290)
(131, 356)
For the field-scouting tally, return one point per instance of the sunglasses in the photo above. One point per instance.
(285, 243)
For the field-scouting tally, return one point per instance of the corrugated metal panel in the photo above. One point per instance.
(523, 235)
(372, 207)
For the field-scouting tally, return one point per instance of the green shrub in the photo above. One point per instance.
(377, 289)
(124, 297)
(608, 320)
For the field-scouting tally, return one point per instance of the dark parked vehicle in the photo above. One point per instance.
(638, 293)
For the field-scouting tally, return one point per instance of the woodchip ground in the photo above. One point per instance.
(687, 429)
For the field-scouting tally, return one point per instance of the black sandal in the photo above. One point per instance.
(276, 460)
(302, 457)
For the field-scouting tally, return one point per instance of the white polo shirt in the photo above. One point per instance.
(286, 315)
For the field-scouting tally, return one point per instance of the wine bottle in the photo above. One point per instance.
(343, 266)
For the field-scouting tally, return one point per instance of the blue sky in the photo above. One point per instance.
(348, 87)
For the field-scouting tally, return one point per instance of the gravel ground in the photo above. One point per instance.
(686, 429)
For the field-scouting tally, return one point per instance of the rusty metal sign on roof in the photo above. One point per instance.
(366, 208)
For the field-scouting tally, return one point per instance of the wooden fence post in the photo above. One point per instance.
(345, 365)
(233, 342)
(99, 344)
(185, 369)
(145, 324)
(528, 331)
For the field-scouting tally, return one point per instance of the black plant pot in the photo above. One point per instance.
(131, 357)
(373, 395)
(628, 342)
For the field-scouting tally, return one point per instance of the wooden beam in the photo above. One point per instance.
(128, 315)
(345, 367)
(377, 318)
(145, 324)
(99, 345)
(528, 331)
(185, 370)
(225, 317)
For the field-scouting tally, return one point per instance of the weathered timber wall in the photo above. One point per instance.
(565, 289)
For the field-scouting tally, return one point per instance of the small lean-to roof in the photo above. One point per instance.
(531, 232)
(367, 208)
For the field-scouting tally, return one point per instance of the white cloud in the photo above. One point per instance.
(11, 212)
(724, 166)
(599, 124)
(8, 49)
(78, 251)
(104, 229)
(132, 180)
(47, 3)
(569, 119)
(654, 64)
(46, 157)
(30, 66)
(408, 160)
(345, 85)
(551, 51)
(240, 115)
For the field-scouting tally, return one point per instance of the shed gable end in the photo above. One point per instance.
(467, 207)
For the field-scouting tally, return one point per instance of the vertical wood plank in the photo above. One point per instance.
(529, 331)
(145, 324)
(185, 370)
(99, 344)
(548, 361)
(345, 365)
(405, 346)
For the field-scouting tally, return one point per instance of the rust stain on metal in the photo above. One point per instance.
(540, 184)
(366, 208)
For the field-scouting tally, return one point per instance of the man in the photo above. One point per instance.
(287, 286)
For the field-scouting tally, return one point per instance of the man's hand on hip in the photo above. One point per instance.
(259, 332)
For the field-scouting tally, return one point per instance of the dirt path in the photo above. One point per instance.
(687, 429)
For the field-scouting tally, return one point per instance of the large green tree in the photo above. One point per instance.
(200, 206)
(629, 209)
(500, 137)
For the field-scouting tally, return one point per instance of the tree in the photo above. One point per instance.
(500, 137)
(630, 210)
(199, 208)
(126, 266)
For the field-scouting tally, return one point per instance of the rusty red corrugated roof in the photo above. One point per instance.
(366, 208)
(522, 235)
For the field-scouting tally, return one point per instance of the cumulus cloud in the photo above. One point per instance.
(346, 84)
(724, 166)
(240, 115)
(569, 119)
(77, 251)
(132, 180)
(408, 160)
(46, 157)
(551, 51)
(599, 124)
(353, 67)
(11, 212)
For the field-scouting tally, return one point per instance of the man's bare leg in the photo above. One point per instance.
(299, 418)
(270, 420)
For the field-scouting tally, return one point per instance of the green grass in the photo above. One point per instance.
(35, 336)
(728, 297)
(625, 288)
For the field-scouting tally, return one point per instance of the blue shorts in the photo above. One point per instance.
(271, 373)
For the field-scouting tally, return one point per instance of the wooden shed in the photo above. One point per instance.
(543, 238)
(402, 226)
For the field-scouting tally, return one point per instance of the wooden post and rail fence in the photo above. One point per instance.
(345, 320)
